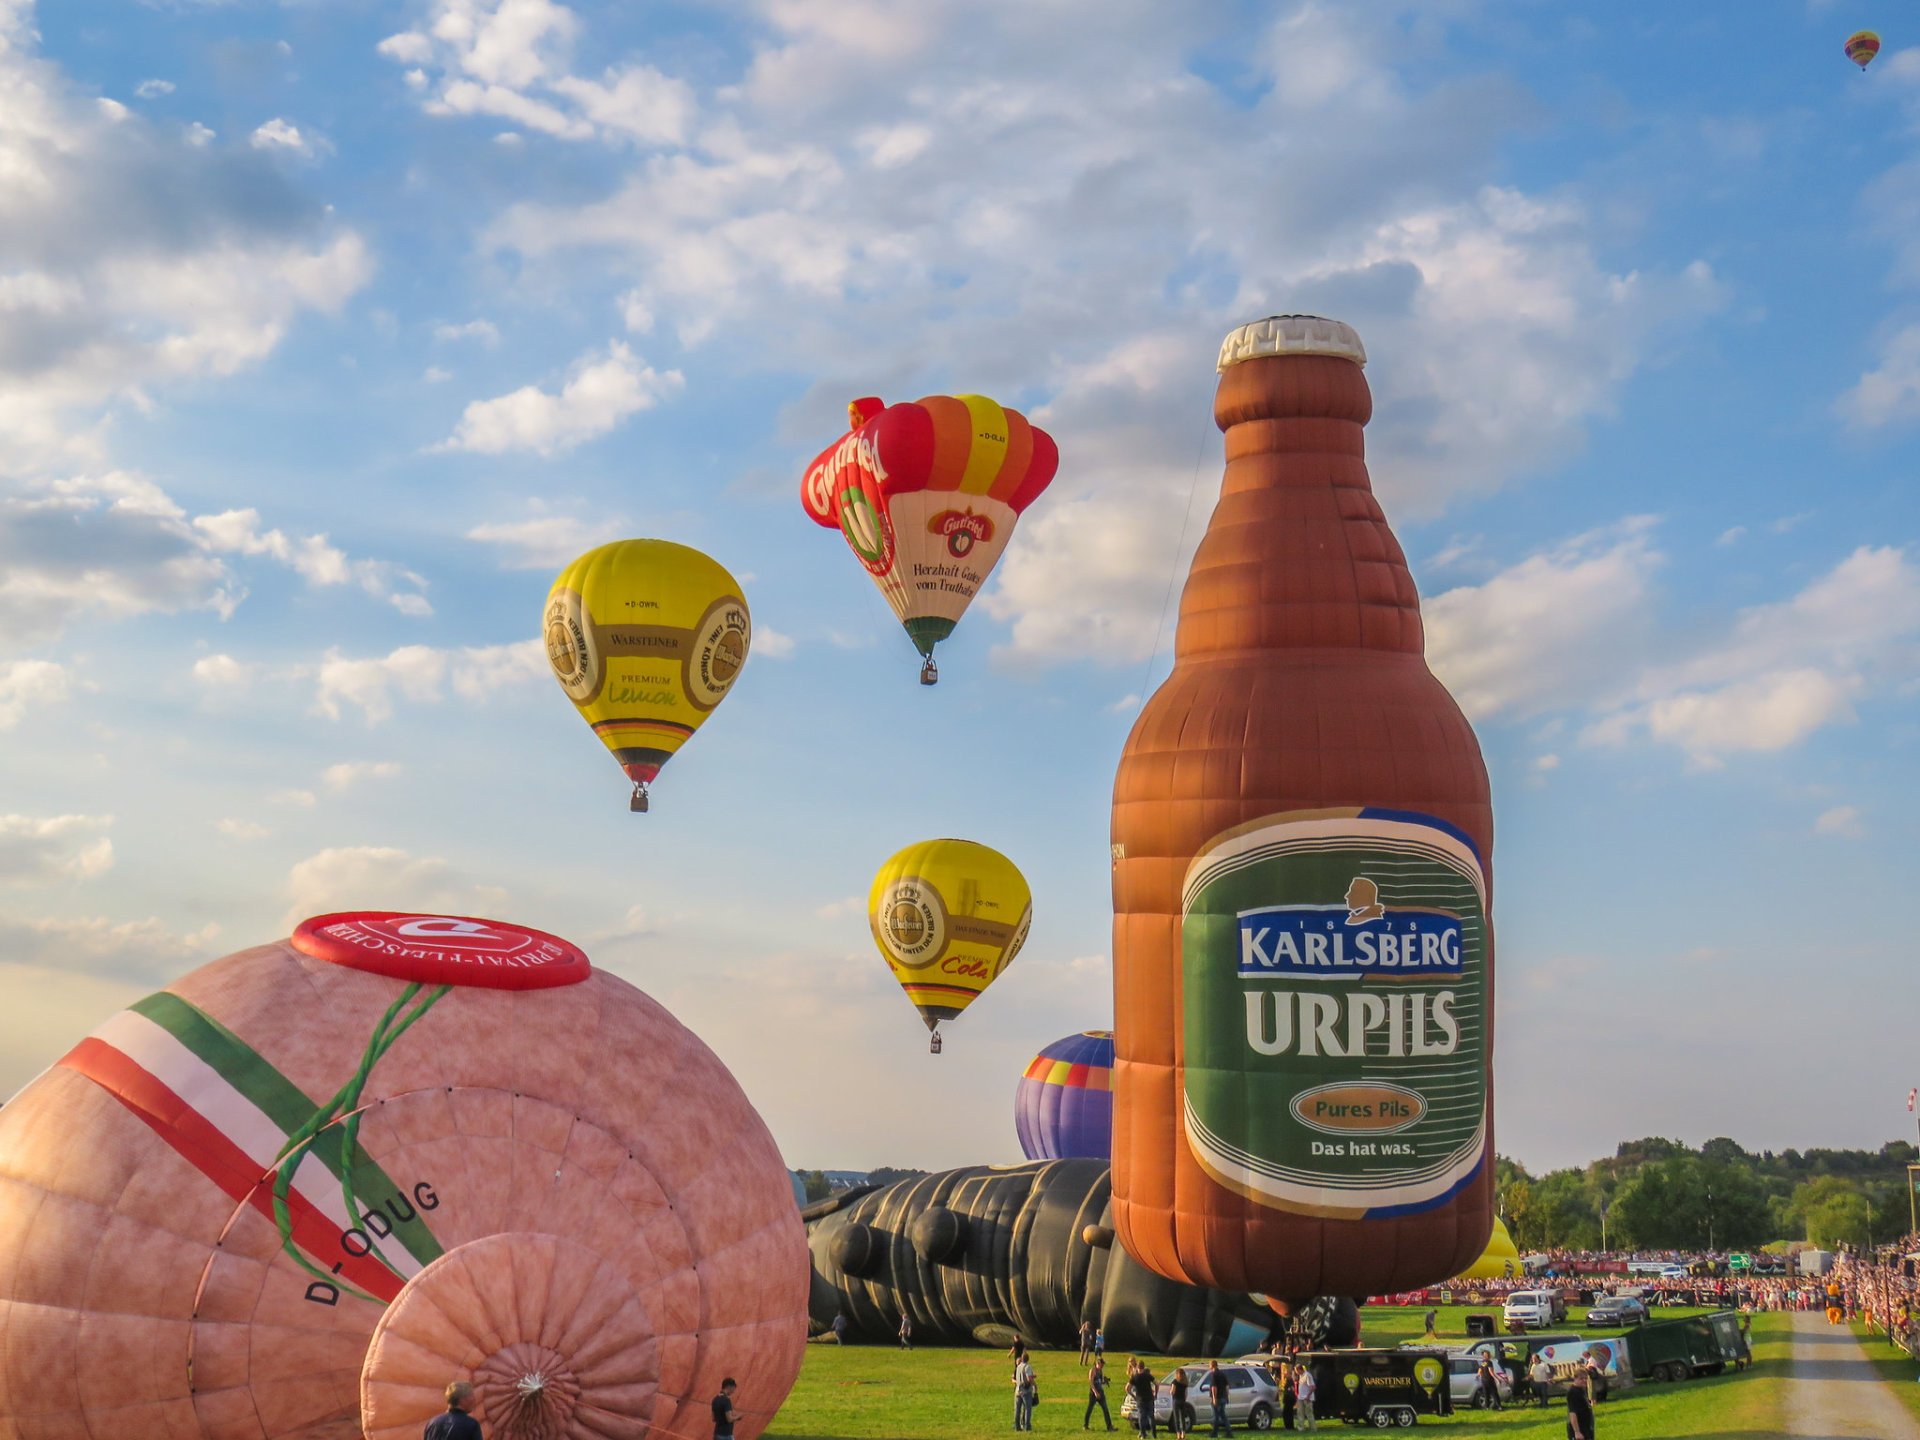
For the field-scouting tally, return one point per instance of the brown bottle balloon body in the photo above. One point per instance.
(1299, 692)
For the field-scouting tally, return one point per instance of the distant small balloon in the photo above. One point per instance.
(1862, 46)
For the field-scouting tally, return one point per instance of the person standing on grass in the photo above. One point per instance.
(1305, 1386)
(1177, 1387)
(1433, 1318)
(1086, 1341)
(1289, 1396)
(1542, 1377)
(1097, 1395)
(1217, 1389)
(1579, 1412)
(840, 1328)
(1489, 1394)
(906, 1331)
(1023, 1389)
(1140, 1381)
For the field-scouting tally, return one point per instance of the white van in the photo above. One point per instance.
(1534, 1308)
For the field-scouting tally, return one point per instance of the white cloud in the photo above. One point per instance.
(153, 89)
(600, 391)
(373, 877)
(280, 134)
(547, 542)
(424, 675)
(58, 847)
(1786, 669)
(510, 59)
(837, 909)
(348, 773)
(301, 799)
(1560, 628)
(199, 135)
(435, 375)
(1731, 536)
(235, 829)
(773, 644)
(28, 683)
(142, 951)
(907, 237)
(135, 257)
(483, 332)
(221, 672)
(314, 559)
(1842, 820)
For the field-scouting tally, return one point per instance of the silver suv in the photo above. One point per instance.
(1252, 1397)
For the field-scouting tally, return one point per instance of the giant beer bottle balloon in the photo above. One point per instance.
(1303, 960)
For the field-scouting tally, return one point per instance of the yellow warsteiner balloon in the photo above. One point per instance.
(646, 637)
(949, 916)
(1501, 1260)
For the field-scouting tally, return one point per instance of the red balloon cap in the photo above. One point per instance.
(443, 949)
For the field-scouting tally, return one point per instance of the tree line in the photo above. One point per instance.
(1658, 1194)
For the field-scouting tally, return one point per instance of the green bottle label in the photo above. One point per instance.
(1336, 996)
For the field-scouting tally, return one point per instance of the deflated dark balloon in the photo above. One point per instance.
(983, 1253)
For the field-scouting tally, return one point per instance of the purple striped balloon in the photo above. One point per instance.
(1064, 1106)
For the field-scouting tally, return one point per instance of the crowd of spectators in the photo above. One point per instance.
(1881, 1289)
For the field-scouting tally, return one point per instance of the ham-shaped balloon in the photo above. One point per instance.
(1063, 1105)
(301, 1190)
(927, 495)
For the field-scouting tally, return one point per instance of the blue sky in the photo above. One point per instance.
(330, 331)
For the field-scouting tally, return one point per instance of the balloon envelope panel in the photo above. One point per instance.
(1063, 1106)
(244, 1207)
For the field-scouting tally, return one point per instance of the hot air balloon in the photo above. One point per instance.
(949, 916)
(1063, 1106)
(927, 496)
(646, 637)
(1500, 1260)
(1862, 46)
(303, 1188)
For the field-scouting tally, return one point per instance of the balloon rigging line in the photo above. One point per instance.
(346, 1102)
(1173, 568)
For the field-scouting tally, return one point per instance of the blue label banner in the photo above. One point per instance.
(1322, 942)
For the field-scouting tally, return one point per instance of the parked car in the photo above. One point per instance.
(1252, 1397)
(1463, 1380)
(1534, 1308)
(1618, 1310)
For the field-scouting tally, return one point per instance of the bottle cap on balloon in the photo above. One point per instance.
(1292, 335)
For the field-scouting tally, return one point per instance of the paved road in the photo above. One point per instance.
(1836, 1394)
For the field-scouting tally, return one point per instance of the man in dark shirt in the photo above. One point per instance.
(456, 1423)
(1217, 1389)
(723, 1411)
(1097, 1395)
(1579, 1411)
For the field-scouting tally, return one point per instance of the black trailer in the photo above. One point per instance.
(1381, 1388)
(1691, 1345)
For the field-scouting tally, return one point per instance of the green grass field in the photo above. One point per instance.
(873, 1393)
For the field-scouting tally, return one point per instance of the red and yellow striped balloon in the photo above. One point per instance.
(927, 495)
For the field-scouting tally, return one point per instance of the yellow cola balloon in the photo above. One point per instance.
(1501, 1260)
(646, 637)
(949, 916)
